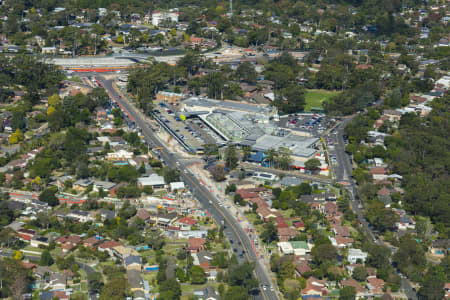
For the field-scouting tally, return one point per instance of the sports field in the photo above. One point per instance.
(314, 98)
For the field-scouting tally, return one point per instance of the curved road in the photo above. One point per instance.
(242, 243)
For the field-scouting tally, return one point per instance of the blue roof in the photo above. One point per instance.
(257, 157)
(132, 259)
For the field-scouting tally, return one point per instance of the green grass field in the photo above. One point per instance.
(314, 98)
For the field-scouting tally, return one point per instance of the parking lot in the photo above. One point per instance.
(314, 124)
(192, 131)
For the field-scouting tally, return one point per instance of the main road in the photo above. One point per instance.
(242, 244)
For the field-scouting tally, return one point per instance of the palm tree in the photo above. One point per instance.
(271, 156)
(284, 158)
(247, 152)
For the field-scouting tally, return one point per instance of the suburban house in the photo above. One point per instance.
(68, 242)
(79, 215)
(315, 287)
(297, 248)
(440, 247)
(91, 242)
(196, 244)
(355, 254)
(286, 233)
(375, 285)
(108, 246)
(360, 291)
(37, 241)
(378, 173)
(185, 223)
(122, 252)
(120, 155)
(25, 234)
(301, 268)
(133, 262)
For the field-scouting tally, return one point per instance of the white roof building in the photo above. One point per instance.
(153, 180)
(355, 254)
(176, 186)
(119, 155)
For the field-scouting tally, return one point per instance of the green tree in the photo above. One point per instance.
(198, 275)
(424, 228)
(46, 259)
(237, 198)
(270, 233)
(15, 137)
(359, 273)
(246, 72)
(312, 164)
(171, 175)
(324, 252)
(115, 288)
(169, 290)
(95, 281)
(236, 293)
(378, 256)
(231, 157)
(347, 293)
(54, 100)
(48, 196)
(218, 173)
(410, 257)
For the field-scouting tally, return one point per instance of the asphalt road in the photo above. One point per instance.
(343, 172)
(241, 242)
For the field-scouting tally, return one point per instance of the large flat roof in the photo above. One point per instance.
(228, 105)
(298, 145)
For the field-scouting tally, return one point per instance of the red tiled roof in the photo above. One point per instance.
(91, 241)
(60, 295)
(109, 244)
(353, 283)
(281, 223)
(28, 265)
(196, 243)
(247, 194)
(364, 67)
(259, 201)
(143, 214)
(298, 224)
(265, 212)
(384, 192)
(343, 240)
(315, 285)
(330, 207)
(376, 285)
(205, 266)
(378, 171)
(75, 239)
(174, 228)
(187, 221)
(291, 232)
(302, 268)
(343, 231)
